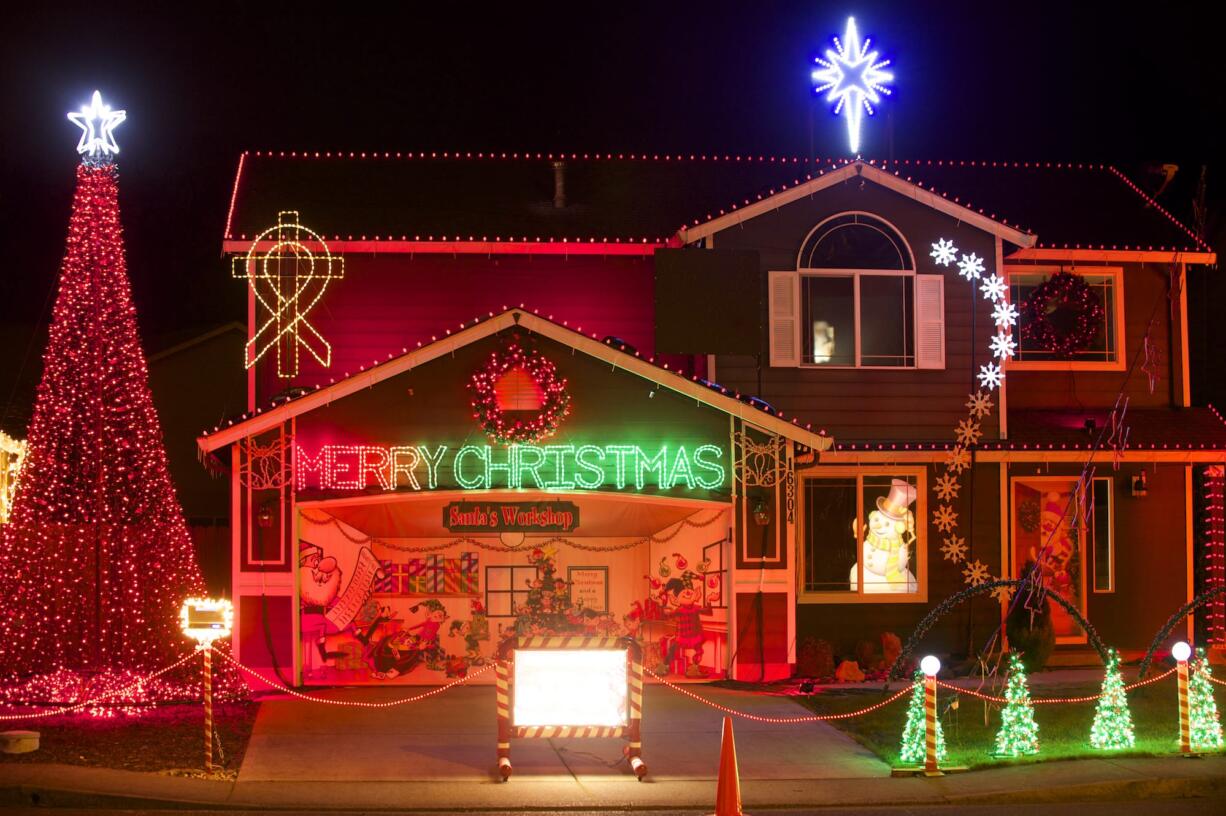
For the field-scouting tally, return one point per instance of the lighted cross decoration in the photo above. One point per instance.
(288, 267)
(854, 77)
(97, 122)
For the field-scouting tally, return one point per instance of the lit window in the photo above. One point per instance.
(1057, 317)
(861, 538)
(857, 294)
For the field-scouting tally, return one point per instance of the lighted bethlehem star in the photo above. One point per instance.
(855, 80)
(97, 122)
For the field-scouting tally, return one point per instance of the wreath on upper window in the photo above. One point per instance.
(1062, 315)
(518, 396)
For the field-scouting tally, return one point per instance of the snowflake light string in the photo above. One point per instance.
(995, 289)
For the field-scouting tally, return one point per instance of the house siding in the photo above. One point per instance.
(869, 404)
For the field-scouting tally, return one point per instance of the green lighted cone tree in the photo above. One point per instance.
(914, 748)
(1112, 728)
(1019, 733)
(1205, 728)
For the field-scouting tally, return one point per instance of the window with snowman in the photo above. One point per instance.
(863, 537)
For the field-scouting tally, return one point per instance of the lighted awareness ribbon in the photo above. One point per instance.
(288, 280)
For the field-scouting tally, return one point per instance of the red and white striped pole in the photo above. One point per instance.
(208, 706)
(930, 665)
(1181, 652)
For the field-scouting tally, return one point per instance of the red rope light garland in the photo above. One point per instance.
(459, 681)
(779, 720)
(72, 709)
(1051, 700)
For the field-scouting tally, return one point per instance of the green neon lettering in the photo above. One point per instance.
(432, 460)
(476, 482)
(492, 467)
(399, 467)
(530, 460)
(589, 475)
(619, 454)
(714, 466)
(559, 480)
(657, 464)
(682, 469)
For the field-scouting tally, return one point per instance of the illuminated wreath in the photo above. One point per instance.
(499, 423)
(1062, 292)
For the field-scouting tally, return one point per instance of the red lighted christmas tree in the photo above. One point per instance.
(96, 558)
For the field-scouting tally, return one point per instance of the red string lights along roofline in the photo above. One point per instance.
(895, 166)
(747, 399)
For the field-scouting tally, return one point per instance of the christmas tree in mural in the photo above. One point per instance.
(547, 609)
(96, 559)
(1112, 728)
(914, 748)
(1206, 729)
(1019, 733)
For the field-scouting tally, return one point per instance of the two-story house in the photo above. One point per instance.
(727, 405)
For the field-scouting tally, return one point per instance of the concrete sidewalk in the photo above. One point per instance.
(439, 754)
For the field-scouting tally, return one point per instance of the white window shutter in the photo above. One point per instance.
(783, 307)
(930, 321)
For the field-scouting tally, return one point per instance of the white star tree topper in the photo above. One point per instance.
(97, 122)
(855, 80)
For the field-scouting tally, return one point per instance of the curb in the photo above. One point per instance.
(224, 798)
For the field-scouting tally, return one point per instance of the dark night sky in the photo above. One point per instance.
(987, 80)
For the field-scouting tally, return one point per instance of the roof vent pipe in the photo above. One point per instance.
(559, 185)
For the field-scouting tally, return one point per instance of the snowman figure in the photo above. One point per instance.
(888, 543)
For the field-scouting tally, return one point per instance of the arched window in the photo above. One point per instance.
(854, 241)
(857, 294)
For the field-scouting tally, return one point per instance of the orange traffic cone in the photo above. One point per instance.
(728, 789)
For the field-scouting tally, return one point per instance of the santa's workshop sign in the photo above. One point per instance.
(511, 517)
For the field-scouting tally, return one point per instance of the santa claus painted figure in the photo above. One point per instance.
(319, 584)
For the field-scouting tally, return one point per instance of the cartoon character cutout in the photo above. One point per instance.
(888, 543)
(319, 585)
(684, 596)
(402, 651)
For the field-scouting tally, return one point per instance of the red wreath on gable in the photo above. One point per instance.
(498, 396)
(1062, 292)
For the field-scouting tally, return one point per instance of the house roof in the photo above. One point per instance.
(1150, 430)
(609, 350)
(647, 200)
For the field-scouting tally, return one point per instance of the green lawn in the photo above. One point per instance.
(970, 729)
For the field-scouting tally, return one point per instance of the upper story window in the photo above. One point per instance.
(856, 302)
(1068, 318)
(855, 241)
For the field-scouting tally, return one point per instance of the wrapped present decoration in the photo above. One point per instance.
(417, 577)
(389, 584)
(434, 570)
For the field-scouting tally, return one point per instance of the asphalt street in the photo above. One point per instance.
(1149, 807)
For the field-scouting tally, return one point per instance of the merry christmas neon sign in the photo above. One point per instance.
(528, 467)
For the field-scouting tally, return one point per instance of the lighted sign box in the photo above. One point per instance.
(574, 687)
(570, 686)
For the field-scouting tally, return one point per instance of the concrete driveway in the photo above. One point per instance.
(451, 737)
